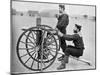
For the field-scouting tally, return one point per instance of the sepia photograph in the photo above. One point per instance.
(52, 37)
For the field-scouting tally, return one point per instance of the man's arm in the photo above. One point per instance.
(68, 37)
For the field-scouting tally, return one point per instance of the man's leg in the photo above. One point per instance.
(74, 51)
(63, 44)
(70, 50)
(63, 47)
(64, 60)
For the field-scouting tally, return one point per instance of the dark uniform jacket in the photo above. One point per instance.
(63, 22)
(77, 40)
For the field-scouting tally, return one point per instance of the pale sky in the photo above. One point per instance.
(70, 9)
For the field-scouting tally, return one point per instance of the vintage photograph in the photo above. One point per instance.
(52, 37)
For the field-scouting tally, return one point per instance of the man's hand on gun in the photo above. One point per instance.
(60, 34)
(56, 31)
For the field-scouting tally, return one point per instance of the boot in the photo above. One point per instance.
(61, 58)
(63, 63)
(62, 66)
(66, 59)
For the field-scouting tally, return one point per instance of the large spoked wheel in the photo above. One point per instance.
(35, 53)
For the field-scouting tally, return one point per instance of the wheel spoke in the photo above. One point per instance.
(51, 44)
(26, 54)
(34, 32)
(46, 56)
(51, 48)
(33, 37)
(37, 61)
(32, 63)
(25, 48)
(44, 64)
(33, 60)
(29, 39)
(51, 54)
(29, 58)
(27, 44)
